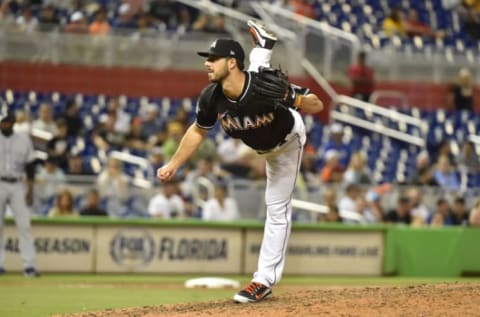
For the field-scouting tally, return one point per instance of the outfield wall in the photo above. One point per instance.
(92, 245)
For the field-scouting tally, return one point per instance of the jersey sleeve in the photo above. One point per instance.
(206, 114)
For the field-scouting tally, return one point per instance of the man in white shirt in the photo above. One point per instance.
(167, 204)
(220, 207)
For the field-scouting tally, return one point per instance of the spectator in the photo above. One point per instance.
(45, 121)
(92, 206)
(135, 139)
(442, 213)
(77, 165)
(125, 22)
(474, 219)
(100, 24)
(167, 203)
(470, 16)
(58, 147)
(72, 118)
(348, 201)
(416, 27)
(357, 171)
(361, 78)
(48, 20)
(22, 122)
(170, 15)
(394, 23)
(211, 23)
(63, 205)
(145, 27)
(374, 205)
(27, 22)
(50, 179)
(220, 207)
(467, 159)
(332, 171)
(152, 123)
(418, 210)
(462, 92)
(401, 213)
(112, 184)
(78, 24)
(121, 119)
(336, 142)
(459, 215)
(175, 131)
(445, 174)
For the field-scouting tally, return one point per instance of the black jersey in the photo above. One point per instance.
(257, 121)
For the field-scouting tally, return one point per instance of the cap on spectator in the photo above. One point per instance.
(124, 8)
(336, 128)
(330, 154)
(76, 16)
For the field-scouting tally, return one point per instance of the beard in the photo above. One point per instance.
(220, 75)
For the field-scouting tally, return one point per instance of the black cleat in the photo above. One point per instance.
(253, 293)
(261, 36)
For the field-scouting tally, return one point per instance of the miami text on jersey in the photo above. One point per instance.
(231, 123)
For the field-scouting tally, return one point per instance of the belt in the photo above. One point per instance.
(9, 179)
(274, 148)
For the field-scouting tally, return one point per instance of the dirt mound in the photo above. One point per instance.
(416, 300)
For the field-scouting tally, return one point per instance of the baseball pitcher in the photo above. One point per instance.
(258, 106)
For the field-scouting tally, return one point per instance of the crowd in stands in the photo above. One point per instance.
(347, 181)
(150, 17)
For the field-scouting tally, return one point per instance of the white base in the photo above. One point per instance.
(212, 282)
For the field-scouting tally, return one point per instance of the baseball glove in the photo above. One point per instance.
(273, 84)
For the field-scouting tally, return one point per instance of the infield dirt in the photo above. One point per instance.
(452, 299)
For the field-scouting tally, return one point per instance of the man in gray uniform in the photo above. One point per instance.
(17, 158)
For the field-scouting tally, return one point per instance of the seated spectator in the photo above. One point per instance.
(125, 22)
(401, 214)
(100, 24)
(474, 219)
(72, 118)
(309, 171)
(64, 205)
(357, 171)
(348, 201)
(92, 206)
(331, 216)
(48, 20)
(374, 205)
(169, 15)
(467, 160)
(336, 142)
(167, 203)
(45, 121)
(175, 131)
(461, 96)
(395, 24)
(441, 213)
(78, 24)
(152, 123)
(416, 27)
(22, 122)
(469, 13)
(76, 165)
(329, 199)
(361, 77)
(211, 23)
(121, 119)
(220, 207)
(418, 210)
(49, 179)
(459, 215)
(445, 174)
(113, 182)
(332, 171)
(145, 27)
(27, 22)
(58, 147)
(135, 139)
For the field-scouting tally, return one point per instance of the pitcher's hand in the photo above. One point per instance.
(166, 172)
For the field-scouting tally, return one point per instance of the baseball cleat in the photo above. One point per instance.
(261, 36)
(254, 292)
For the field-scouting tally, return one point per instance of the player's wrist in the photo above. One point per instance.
(298, 101)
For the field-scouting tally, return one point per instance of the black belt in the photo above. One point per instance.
(9, 179)
(273, 148)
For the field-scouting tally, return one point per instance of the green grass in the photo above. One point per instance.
(60, 293)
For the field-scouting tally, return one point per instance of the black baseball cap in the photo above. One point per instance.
(225, 48)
